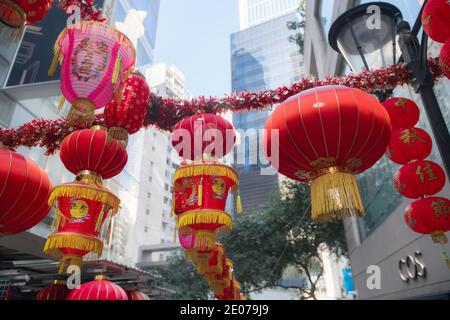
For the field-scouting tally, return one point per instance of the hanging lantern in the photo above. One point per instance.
(404, 113)
(327, 135)
(431, 216)
(203, 136)
(56, 291)
(420, 179)
(408, 145)
(17, 13)
(96, 60)
(435, 20)
(24, 190)
(126, 116)
(81, 210)
(90, 154)
(99, 289)
(199, 200)
(444, 58)
(137, 295)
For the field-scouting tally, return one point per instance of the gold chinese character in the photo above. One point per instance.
(401, 103)
(440, 209)
(430, 173)
(410, 136)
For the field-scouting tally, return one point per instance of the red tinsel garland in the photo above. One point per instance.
(164, 113)
(88, 10)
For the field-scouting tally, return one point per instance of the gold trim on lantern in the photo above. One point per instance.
(206, 169)
(191, 218)
(119, 134)
(100, 194)
(69, 259)
(335, 194)
(205, 240)
(59, 282)
(82, 113)
(439, 237)
(72, 240)
(89, 177)
(100, 277)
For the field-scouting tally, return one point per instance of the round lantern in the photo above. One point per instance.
(89, 153)
(404, 113)
(203, 136)
(137, 295)
(16, 13)
(127, 116)
(199, 200)
(99, 289)
(24, 190)
(444, 58)
(435, 20)
(408, 145)
(420, 179)
(327, 135)
(95, 62)
(56, 291)
(81, 210)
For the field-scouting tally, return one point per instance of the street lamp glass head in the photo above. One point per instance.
(367, 36)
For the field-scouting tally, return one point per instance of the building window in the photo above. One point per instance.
(147, 212)
(154, 134)
(145, 229)
(153, 148)
(152, 163)
(166, 200)
(150, 179)
(166, 187)
(168, 161)
(326, 8)
(149, 195)
(167, 174)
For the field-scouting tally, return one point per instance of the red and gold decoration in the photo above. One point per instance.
(165, 113)
(404, 113)
(95, 62)
(327, 136)
(24, 190)
(435, 20)
(126, 117)
(137, 295)
(444, 58)
(419, 179)
(56, 291)
(83, 206)
(99, 289)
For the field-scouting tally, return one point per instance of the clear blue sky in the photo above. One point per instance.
(194, 35)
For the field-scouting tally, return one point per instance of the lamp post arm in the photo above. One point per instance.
(415, 59)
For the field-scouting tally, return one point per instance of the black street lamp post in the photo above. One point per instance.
(366, 44)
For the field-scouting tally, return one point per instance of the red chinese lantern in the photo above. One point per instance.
(420, 179)
(89, 152)
(81, 210)
(327, 135)
(430, 216)
(16, 13)
(409, 145)
(444, 58)
(56, 291)
(203, 136)
(435, 20)
(200, 194)
(127, 116)
(99, 289)
(137, 295)
(95, 61)
(404, 113)
(24, 190)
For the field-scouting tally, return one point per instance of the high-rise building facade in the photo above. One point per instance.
(262, 57)
(254, 12)
(381, 239)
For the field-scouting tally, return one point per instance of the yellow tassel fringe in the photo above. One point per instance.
(239, 208)
(205, 240)
(88, 192)
(117, 69)
(205, 216)
(72, 241)
(335, 195)
(195, 170)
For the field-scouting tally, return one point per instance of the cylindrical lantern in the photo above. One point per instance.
(24, 190)
(137, 295)
(95, 60)
(404, 113)
(99, 289)
(203, 136)
(81, 210)
(435, 20)
(327, 135)
(56, 291)
(444, 58)
(420, 179)
(408, 145)
(126, 116)
(89, 153)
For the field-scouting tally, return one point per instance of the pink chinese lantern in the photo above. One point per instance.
(95, 61)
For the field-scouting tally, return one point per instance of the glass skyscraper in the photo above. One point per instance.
(262, 57)
(254, 12)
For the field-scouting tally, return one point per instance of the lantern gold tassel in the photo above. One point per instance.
(55, 62)
(62, 100)
(205, 240)
(117, 68)
(69, 260)
(109, 231)
(239, 208)
(205, 216)
(335, 195)
(73, 241)
(200, 193)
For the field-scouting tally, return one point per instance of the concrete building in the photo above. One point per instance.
(262, 57)
(381, 240)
